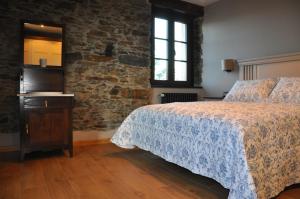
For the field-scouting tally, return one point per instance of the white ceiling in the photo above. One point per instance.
(202, 2)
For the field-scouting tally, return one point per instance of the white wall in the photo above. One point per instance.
(244, 29)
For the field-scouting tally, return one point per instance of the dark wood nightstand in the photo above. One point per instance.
(46, 123)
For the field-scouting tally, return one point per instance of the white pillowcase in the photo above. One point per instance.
(251, 91)
(286, 91)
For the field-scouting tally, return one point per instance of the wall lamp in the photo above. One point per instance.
(228, 64)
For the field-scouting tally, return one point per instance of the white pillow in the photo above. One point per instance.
(286, 91)
(251, 90)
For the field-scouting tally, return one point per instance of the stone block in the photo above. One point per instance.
(133, 60)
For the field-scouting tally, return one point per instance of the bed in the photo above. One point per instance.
(251, 147)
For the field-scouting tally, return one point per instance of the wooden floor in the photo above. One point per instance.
(106, 172)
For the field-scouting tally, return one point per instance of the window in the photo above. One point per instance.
(171, 49)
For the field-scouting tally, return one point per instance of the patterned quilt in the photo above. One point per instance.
(252, 149)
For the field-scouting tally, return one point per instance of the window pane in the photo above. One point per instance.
(161, 49)
(180, 51)
(180, 71)
(161, 70)
(180, 32)
(161, 28)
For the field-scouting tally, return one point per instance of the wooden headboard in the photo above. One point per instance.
(287, 65)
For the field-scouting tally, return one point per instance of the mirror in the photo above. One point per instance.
(42, 44)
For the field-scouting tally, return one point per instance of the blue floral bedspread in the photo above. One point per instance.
(252, 149)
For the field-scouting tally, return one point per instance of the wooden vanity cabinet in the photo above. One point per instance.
(45, 109)
(47, 124)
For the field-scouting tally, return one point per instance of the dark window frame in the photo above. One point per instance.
(172, 16)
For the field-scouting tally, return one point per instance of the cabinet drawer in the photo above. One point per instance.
(48, 102)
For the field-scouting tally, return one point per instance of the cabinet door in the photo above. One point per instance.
(38, 126)
(59, 125)
(47, 126)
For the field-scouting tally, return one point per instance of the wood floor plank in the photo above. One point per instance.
(57, 182)
(10, 187)
(131, 178)
(36, 192)
(107, 172)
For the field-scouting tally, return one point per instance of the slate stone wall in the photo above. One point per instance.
(107, 88)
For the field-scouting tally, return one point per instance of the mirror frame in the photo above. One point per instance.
(46, 23)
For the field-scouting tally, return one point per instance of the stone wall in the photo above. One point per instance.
(106, 88)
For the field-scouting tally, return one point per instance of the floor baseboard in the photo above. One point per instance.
(92, 135)
(9, 153)
(91, 142)
(6, 149)
(10, 142)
